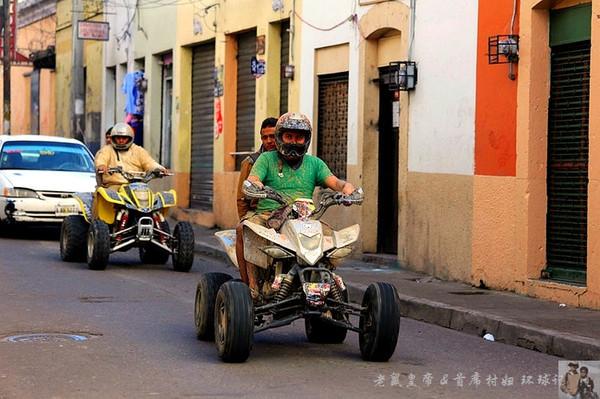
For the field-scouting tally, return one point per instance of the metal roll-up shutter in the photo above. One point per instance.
(332, 141)
(246, 89)
(285, 56)
(201, 173)
(568, 154)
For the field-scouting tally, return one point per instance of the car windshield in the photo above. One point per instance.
(45, 155)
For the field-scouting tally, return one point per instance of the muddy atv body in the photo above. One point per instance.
(297, 265)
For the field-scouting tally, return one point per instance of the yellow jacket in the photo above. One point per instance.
(135, 159)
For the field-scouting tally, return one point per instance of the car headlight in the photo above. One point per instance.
(19, 192)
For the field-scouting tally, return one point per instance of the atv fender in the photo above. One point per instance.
(346, 236)
(85, 204)
(227, 239)
(165, 199)
(105, 201)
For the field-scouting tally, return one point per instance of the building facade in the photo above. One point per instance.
(472, 175)
(228, 77)
(93, 60)
(32, 71)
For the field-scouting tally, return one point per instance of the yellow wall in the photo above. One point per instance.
(230, 18)
(93, 61)
(64, 49)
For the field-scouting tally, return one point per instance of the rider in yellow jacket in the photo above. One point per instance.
(122, 152)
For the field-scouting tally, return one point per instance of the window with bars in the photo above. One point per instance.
(332, 127)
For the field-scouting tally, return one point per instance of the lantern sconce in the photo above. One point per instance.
(287, 71)
(402, 76)
(504, 49)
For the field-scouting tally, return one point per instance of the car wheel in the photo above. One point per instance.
(73, 232)
(98, 245)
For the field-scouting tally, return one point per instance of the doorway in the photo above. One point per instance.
(387, 192)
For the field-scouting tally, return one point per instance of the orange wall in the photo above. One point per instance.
(47, 102)
(19, 100)
(496, 96)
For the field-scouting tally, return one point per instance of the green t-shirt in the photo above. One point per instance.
(290, 183)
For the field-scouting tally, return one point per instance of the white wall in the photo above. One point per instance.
(442, 108)
(323, 15)
(153, 31)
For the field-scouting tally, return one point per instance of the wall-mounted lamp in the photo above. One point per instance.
(402, 76)
(504, 49)
(287, 71)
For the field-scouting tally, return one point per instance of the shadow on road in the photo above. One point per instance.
(31, 232)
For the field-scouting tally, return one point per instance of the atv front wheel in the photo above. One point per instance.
(321, 332)
(379, 322)
(204, 307)
(153, 255)
(98, 245)
(234, 322)
(72, 238)
(183, 247)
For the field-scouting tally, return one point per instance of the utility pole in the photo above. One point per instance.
(77, 83)
(6, 63)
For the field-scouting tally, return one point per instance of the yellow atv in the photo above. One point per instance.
(133, 216)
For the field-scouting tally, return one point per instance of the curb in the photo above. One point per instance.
(472, 322)
(504, 330)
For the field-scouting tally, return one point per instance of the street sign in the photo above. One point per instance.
(93, 30)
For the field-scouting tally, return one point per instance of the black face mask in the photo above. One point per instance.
(294, 162)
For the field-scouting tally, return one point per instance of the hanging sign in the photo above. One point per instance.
(93, 30)
(257, 67)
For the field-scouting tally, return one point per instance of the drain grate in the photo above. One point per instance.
(96, 299)
(45, 337)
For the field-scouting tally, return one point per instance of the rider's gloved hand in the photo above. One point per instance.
(101, 169)
(160, 171)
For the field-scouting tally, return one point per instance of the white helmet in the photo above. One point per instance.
(121, 129)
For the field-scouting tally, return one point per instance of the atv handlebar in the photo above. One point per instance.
(132, 176)
(327, 198)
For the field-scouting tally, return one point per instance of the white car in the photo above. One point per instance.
(38, 176)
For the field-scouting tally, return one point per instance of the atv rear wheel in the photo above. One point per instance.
(73, 232)
(98, 245)
(153, 255)
(234, 322)
(204, 307)
(321, 332)
(183, 247)
(379, 322)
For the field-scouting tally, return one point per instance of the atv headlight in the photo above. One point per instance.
(143, 198)
(276, 252)
(310, 243)
(340, 252)
(19, 193)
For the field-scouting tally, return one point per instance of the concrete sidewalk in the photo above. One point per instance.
(531, 323)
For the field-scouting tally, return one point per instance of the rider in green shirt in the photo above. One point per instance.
(292, 173)
(291, 183)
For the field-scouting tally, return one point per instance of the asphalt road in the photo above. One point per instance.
(141, 342)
